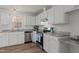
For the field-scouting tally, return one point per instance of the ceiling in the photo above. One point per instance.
(33, 9)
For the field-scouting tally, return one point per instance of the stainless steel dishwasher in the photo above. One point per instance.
(28, 36)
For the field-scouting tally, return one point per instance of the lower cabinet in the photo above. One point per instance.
(46, 43)
(15, 38)
(20, 37)
(3, 39)
(53, 45)
(11, 38)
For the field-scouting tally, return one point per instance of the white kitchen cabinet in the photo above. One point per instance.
(40, 17)
(5, 19)
(12, 39)
(50, 16)
(46, 43)
(59, 16)
(29, 20)
(32, 20)
(56, 15)
(15, 38)
(3, 39)
(53, 44)
(20, 36)
(38, 20)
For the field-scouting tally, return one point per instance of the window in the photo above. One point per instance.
(17, 21)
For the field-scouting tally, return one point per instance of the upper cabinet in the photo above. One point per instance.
(56, 15)
(32, 20)
(41, 17)
(50, 17)
(5, 19)
(29, 20)
(38, 20)
(59, 16)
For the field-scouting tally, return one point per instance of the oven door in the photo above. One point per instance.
(38, 37)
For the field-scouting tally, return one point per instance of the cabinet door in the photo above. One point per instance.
(38, 21)
(32, 20)
(12, 38)
(46, 43)
(50, 16)
(6, 22)
(59, 15)
(53, 45)
(3, 39)
(20, 37)
(5, 19)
